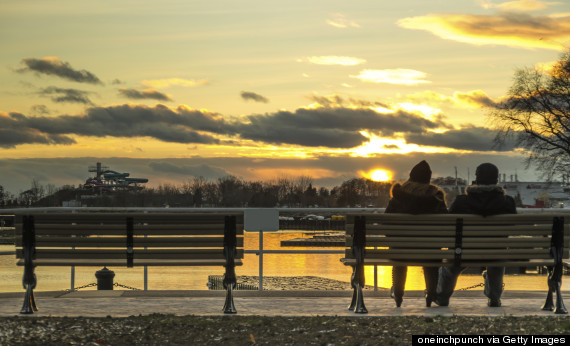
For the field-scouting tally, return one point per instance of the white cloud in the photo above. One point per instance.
(335, 60)
(393, 76)
(168, 82)
(340, 21)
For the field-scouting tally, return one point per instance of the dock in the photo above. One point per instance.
(316, 241)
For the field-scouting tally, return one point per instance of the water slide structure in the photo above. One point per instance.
(109, 180)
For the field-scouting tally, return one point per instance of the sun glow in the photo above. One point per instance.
(377, 174)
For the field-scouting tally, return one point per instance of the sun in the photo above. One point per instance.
(380, 175)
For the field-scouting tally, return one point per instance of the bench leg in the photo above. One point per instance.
(230, 283)
(554, 284)
(357, 303)
(229, 307)
(29, 281)
(360, 308)
(549, 303)
(354, 291)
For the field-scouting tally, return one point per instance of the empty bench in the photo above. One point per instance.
(129, 239)
(520, 240)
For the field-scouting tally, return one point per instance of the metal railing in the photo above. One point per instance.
(260, 251)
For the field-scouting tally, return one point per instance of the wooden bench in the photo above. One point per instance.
(521, 240)
(128, 240)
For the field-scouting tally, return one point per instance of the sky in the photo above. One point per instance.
(262, 90)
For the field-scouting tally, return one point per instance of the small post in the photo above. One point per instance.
(261, 260)
(72, 278)
(104, 279)
(375, 278)
(375, 275)
(146, 278)
(145, 272)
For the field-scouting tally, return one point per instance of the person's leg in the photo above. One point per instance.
(446, 283)
(431, 277)
(399, 274)
(494, 285)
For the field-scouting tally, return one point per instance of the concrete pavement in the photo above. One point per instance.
(120, 303)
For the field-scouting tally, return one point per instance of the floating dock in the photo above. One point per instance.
(316, 241)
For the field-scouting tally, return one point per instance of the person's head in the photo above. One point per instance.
(487, 174)
(421, 173)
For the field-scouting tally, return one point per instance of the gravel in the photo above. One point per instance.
(158, 329)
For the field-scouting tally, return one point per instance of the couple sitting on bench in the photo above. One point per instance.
(418, 196)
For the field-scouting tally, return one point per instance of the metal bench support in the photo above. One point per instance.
(357, 280)
(29, 280)
(555, 272)
(230, 242)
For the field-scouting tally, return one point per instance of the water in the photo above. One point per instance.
(195, 278)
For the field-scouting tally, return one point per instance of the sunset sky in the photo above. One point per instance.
(262, 89)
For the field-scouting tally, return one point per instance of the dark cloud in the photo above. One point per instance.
(468, 138)
(390, 146)
(13, 134)
(322, 127)
(329, 127)
(248, 95)
(39, 110)
(145, 94)
(158, 122)
(117, 81)
(332, 101)
(63, 95)
(56, 67)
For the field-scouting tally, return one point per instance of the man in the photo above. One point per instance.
(484, 198)
(416, 196)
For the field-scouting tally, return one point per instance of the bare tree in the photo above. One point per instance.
(536, 113)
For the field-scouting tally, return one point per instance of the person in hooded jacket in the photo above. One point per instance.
(416, 196)
(484, 198)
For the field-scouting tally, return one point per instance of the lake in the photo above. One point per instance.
(195, 278)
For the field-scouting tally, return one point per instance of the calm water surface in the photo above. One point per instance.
(195, 278)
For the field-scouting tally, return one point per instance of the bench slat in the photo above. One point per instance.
(73, 254)
(466, 233)
(138, 217)
(441, 242)
(59, 229)
(137, 241)
(136, 262)
(528, 218)
(475, 263)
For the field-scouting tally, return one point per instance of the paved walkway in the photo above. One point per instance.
(268, 303)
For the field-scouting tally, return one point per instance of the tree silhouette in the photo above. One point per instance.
(536, 113)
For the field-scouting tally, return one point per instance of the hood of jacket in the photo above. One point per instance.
(486, 199)
(415, 190)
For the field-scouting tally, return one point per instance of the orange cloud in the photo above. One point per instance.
(469, 99)
(519, 5)
(508, 28)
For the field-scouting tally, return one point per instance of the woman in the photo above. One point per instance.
(416, 196)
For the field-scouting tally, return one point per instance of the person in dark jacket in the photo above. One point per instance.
(416, 196)
(484, 198)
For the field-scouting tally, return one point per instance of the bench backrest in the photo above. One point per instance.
(129, 238)
(450, 239)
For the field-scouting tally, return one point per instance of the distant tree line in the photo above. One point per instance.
(229, 191)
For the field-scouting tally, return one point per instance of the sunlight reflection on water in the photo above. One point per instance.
(195, 278)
